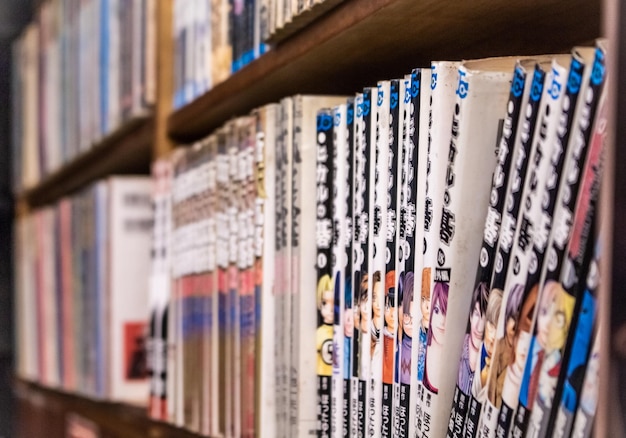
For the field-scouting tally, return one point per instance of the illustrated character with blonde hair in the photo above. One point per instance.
(324, 334)
(423, 328)
(479, 388)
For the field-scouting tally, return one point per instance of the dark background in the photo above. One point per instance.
(14, 14)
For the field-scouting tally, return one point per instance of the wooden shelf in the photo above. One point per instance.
(43, 412)
(127, 150)
(362, 41)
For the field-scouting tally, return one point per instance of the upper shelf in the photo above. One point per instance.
(362, 41)
(129, 149)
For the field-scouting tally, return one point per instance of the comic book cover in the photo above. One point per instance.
(549, 288)
(475, 128)
(576, 260)
(474, 334)
(521, 150)
(530, 276)
(511, 306)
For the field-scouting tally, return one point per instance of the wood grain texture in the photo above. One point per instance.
(43, 412)
(128, 150)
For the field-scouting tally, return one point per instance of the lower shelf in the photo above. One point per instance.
(44, 412)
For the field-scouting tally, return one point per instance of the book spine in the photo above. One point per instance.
(290, 294)
(579, 352)
(235, 273)
(578, 255)
(522, 149)
(529, 279)
(444, 78)
(325, 294)
(392, 274)
(339, 189)
(225, 345)
(585, 413)
(379, 238)
(562, 226)
(351, 380)
(265, 245)
(280, 233)
(487, 253)
(363, 209)
(406, 253)
(511, 306)
(420, 103)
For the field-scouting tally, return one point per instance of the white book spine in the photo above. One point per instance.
(130, 228)
(303, 386)
(443, 82)
(338, 265)
(480, 102)
(420, 108)
(266, 251)
(531, 195)
(379, 253)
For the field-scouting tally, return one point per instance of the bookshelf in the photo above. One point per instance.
(359, 42)
(127, 150)
(351, 46)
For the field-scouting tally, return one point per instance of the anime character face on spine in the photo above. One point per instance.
(377, 316)
(477, 317)
(562, 309)
(439, 312)
(493, 313)
(390, 302)
(544, 313)
(364, 308)
(407, 305)
(325, 299)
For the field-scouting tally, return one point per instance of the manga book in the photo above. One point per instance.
(530, 276)
(475, 327)
(530, 195)
(480, 97)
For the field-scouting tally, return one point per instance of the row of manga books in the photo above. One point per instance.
(216, 38)
(478, 182)
(81, 69)
(231, 317)
(82, 269)
(475, 180)
(210, 40)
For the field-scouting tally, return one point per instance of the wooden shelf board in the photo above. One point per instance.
(127, 150)
(362, 41)
(113, 419)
